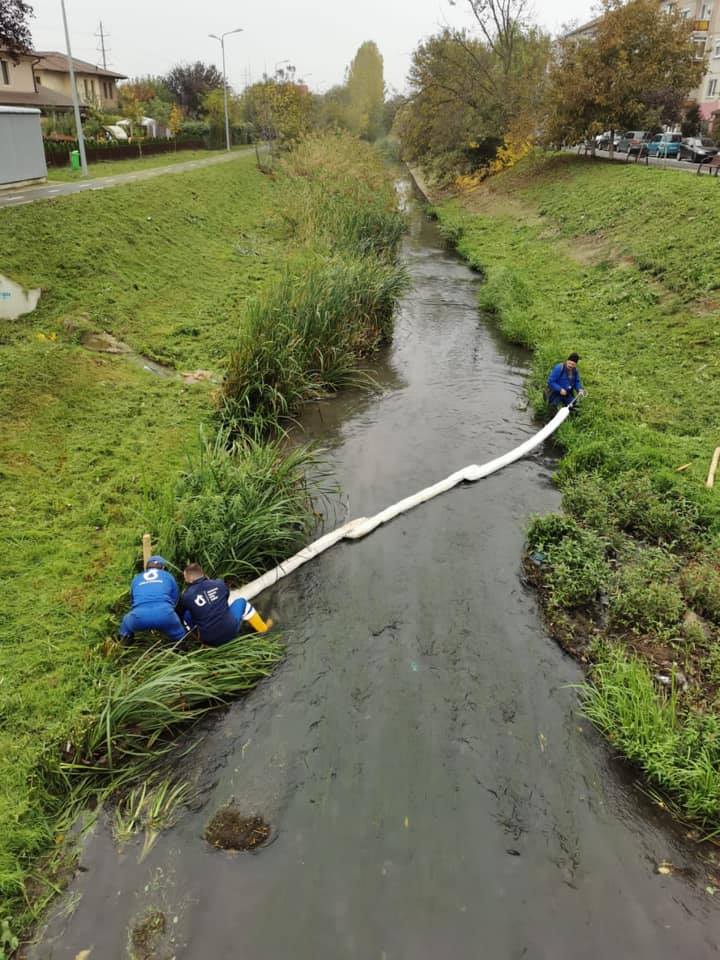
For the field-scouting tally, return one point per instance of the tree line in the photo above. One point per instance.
(481, 98)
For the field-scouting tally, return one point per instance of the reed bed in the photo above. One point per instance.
(148, 701)
(240, 505)
(304, 339)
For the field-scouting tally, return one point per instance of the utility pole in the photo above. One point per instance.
(74, 91)
(101, 36)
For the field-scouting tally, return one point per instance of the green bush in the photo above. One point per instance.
(632, 503)
(576, 568)
(238, 507)
(643, 596)
(700, 583)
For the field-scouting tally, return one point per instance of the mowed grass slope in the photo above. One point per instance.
(89, 439)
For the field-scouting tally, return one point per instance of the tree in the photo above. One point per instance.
(189, 83)
(635, 72)
(472, 94)
(175, 120)
(14, 31)
(278, 110)
(366, 92)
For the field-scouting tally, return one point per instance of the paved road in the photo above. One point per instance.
(16, 198)
(655, 162)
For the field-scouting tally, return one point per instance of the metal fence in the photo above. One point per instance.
(57, 153)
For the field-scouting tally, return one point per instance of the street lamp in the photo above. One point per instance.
(75, 99)
(221, 38)
(278, 64)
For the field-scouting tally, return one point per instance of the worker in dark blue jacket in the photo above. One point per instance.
(154, 594)
(564, 383)
(204, 604)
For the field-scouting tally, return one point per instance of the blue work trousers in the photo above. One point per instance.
(153, 616)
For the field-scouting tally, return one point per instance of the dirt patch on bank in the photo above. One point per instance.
(230, 830)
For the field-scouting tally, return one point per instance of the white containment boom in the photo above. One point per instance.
(357, 529)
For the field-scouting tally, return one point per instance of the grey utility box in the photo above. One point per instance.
(22, 155)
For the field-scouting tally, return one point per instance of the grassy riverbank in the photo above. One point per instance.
(97, 449)
(615, 262)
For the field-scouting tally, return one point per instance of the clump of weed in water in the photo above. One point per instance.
(147, 935)
(574, 564)
(230, 830)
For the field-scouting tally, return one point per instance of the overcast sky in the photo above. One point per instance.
(319, 37)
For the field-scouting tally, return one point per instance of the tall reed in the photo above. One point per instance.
(239, 506)
(304, 338)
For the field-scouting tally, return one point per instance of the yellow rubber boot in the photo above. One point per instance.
(257, 622)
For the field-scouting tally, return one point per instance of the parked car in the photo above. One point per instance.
(602, 141)
(664, 145)
(698, 149)
(634, 141)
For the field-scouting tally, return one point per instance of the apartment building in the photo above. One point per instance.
(704, 25)
(42, 79)
(704, 21)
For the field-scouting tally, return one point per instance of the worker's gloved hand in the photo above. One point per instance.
(563, 393)
(582, 393)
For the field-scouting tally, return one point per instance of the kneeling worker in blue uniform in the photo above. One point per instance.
(154, 596)
(204, 605)
(564, 383)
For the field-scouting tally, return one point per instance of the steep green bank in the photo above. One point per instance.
(97, 448)
(615, 262)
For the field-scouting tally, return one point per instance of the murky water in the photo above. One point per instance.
(433, 789)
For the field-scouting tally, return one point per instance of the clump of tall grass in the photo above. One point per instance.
(337, 191)
(678, 749)
(304, 338)
(151, 699)
(239, 506)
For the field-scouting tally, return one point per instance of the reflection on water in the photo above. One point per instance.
(15, 300)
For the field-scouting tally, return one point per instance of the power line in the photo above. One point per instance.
(102, 36)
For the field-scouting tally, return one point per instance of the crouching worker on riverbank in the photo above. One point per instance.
(564, 383)
(154, 594)
(204, 605)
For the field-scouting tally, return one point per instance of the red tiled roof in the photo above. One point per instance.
(52, 60)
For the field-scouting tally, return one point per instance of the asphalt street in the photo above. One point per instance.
(48, 191)
(669, 164)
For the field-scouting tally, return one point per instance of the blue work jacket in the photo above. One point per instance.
(154, 586)
(560, 378)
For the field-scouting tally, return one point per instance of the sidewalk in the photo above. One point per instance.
(48, 191)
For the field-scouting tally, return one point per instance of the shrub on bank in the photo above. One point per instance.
(644, 597)
(576, 570)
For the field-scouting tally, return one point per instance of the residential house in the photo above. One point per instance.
(19, 88)
(95, 85)
(42, 79)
